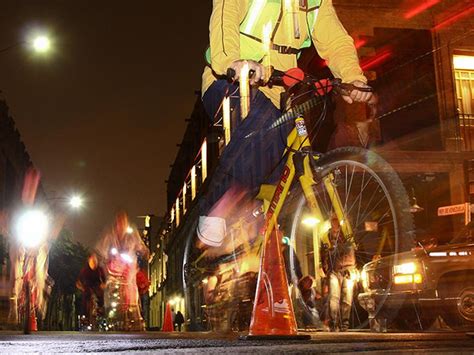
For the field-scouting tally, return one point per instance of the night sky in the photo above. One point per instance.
(102, 114)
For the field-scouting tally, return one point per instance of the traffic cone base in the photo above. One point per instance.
(168, 321)
(273, 316)
(33, 322)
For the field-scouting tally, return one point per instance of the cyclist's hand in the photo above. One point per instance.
(257, 68)
(358, 96)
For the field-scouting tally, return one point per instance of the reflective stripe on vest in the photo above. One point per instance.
(260, 13)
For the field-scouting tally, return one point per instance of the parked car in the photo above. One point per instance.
(411, 290)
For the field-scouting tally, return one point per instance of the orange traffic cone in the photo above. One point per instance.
(273, 316)
(33, 323)
(168, 321)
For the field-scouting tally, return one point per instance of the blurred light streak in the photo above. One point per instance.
(420, 8)
(454, 18)
(373, 61)
(360, 43)
(30, 186)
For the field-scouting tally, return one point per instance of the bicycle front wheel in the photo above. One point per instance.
(375, 206)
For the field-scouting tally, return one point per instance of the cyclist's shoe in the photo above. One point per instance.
(211, 230)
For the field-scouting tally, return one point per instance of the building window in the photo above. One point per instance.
(185, 185)
(464, 80)
(178, 212)
(464, 75)
(193, 182)
(204, 160)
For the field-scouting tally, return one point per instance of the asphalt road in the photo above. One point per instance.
(212, 343)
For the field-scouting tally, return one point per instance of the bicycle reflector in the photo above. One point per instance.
(323, 87)
(293, 76)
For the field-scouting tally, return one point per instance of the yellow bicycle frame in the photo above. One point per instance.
(274, 196)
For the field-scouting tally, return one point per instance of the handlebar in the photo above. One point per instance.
(322, 86)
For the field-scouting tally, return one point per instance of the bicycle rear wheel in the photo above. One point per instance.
(374, 203)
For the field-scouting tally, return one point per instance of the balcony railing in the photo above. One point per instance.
(464, 132)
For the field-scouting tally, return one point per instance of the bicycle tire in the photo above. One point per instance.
(399, 229)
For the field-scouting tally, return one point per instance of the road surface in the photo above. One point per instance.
(212, 343)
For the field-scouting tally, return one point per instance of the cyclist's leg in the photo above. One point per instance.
(247, 160)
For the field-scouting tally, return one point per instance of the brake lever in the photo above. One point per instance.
(346, 89)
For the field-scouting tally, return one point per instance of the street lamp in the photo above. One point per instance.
(40, 44)
(76, 202)
(32, 228)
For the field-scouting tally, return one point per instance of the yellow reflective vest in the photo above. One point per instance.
(236, 32)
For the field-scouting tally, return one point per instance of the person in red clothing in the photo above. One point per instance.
(91, 281)
(143, 284)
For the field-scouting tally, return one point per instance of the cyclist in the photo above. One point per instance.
(236, 38)
(91, 281)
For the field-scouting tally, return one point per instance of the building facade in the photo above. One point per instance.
(14, 162)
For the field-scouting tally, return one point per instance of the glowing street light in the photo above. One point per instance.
(32, 228)
(41, 44)
(38, 43)
(76, 202)
(129, 230)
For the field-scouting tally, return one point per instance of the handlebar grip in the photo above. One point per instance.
(230, 74)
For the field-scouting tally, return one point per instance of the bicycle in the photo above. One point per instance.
(353, 184)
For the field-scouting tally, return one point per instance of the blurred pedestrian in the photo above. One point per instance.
(173, 317)
(143, 284)
(91, 281)
(179, 320)
(339, 266)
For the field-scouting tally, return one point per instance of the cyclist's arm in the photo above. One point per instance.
(334, 44)
(224, 39)
(224, 34)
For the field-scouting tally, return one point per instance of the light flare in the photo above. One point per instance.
(454, 18)
(418, 9)
(371, 62)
